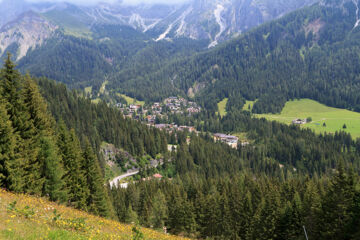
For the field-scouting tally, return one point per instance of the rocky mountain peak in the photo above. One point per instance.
(26, 32)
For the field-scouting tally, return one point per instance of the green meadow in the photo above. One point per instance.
(334, 118)
(88, 90)
(130, 100)
(248, 105)
(103, 87)
(222, 107)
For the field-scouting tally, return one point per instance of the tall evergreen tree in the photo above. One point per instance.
(131, 216)
(74, 177)
(10, 80)
(7, 147)
(36, 106)
(54, 185)
(97, 200)
(159, 210)
(11, 83)
(337, 205)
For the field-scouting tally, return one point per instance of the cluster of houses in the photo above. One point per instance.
(181, 105)
(174, 105)
(177, 105)
(129, 110)
(173, 127)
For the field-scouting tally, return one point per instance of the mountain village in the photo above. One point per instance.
(151, 115)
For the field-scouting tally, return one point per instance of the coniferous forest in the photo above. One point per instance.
(289, 179)
(287, 182)
(43, 157)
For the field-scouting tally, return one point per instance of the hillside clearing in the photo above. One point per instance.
(248, 106)
(222, 107)
(334, 118)
(103, 87)
(130, 100)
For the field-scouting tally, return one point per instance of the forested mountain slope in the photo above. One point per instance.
(83, 45)
(248, 207)
(81, 62)
(42, 157)
(213, 21)
(99, 122)
(309, 53)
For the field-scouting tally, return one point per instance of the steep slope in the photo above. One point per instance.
(310, 53)
(214, 21)
(220, 20)
(86, 46)
(26, 217)
(27, 32)
(81, 62)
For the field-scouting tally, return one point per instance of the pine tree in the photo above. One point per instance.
(265, 220)
(52, 170)
(18, 170)
(312, 209)
(337, 205)
(36, 106)
(7, 146)
(97, 200)
(131, 216)
(41, 121)
(74, 177)
(213, 214)
(11, 91)
(159, 210)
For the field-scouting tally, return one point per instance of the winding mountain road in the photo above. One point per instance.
(116, 180)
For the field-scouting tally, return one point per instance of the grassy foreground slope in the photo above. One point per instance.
(25, 217)
(334, 118)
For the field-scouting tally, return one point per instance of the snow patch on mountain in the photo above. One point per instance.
(137, 21)
(217, 13)
(163, 35)
(180, 31)
(182, 28)
(357, 13)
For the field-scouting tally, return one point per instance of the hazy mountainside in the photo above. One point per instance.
(85, 46)
(309, 53)
(214, 21)
(302, 54)
(211, 20)
(28, 31)
(81, 62)
(222, 19)
(11, 9)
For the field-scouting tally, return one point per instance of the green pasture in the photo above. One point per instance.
(334, 118)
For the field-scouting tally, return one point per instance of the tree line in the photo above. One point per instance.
(41, 157)
(246, 206)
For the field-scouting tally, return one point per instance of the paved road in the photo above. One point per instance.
(115, 181)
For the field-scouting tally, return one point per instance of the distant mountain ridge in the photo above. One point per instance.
(210, 20)
(27, 32)
(309, 53)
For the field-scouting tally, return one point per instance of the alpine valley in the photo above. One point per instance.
(200, 119)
